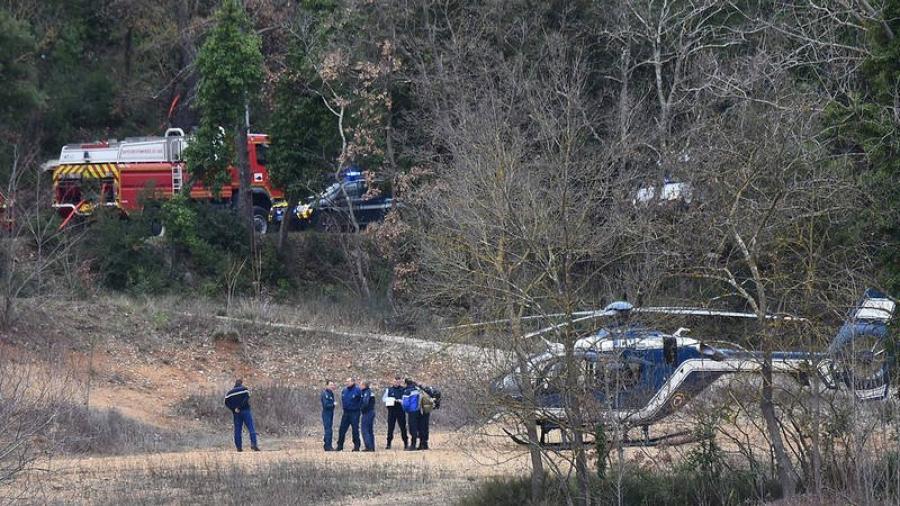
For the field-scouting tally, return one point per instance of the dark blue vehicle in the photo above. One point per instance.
(330, 211)
(637, 376)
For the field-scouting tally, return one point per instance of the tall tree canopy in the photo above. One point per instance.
(230, 64)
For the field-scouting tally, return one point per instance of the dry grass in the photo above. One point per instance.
(216, 482)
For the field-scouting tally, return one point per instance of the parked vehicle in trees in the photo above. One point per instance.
(330, 210)
(124, 174)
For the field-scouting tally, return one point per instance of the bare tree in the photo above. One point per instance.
(30, 241)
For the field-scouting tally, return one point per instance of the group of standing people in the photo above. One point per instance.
(407, 405)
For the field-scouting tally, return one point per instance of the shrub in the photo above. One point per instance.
(277, 409)
(635, 485)
(504, 491)
(122, 256)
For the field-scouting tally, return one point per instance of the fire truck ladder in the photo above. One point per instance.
(176, 178)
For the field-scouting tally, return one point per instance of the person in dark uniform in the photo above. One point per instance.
(395, 414)
(424, 426)
(412, 416)
(328, 404)
(367, 400)
(237, 400)
(351, 402)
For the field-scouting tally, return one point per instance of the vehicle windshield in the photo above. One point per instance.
(331, 193)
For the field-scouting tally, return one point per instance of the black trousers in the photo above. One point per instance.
(424, 422)
(396, 416)
(418, 428)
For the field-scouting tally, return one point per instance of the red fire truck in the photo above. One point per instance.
(124, 174)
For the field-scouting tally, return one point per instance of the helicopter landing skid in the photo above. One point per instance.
(674, 439)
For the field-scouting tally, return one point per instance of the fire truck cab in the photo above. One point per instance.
(123, 174)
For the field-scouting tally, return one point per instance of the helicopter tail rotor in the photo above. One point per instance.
(861, 352)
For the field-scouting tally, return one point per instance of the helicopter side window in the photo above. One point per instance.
(587, 377)
(619, 372)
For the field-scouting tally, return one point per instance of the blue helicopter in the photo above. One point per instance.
(637, 376)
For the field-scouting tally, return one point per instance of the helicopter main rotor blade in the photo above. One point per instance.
(696, 311)
(523, 318)
(591, 316)
(604, 313)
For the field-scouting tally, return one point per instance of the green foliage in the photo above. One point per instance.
(122, 256)
(200, 242)
(231, 72)
(636, 485)
(867, 123)
(304, 144)
(208, 157)
(500, 492)
(304, 139)
(75, 75)
(19, 92)
(230, 66)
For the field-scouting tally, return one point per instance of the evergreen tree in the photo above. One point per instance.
(304, 146)
(868, 123)
(230, 66)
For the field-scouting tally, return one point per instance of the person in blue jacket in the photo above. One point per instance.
(409, 392)
(328, 404)
(237, 400)
(351, 403)
(368, 417)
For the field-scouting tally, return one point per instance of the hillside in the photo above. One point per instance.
(164, 369)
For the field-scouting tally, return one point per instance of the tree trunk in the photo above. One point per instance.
(245, 197)
(767, 406)
(285, 223)
(534, 450)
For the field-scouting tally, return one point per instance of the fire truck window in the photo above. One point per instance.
(109, 194)
(262, 154)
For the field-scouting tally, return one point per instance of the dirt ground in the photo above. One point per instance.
(149, 358)
(453, 465)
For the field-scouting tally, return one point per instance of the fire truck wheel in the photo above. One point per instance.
(260, 220)
(157, 229)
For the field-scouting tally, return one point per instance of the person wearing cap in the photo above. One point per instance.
(392, 398)
(237, 400)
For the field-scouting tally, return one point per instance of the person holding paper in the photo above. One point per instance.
(392, 399)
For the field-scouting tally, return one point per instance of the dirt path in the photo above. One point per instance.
(459, 350)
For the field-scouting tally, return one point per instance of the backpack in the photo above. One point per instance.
(411, 402)
(426, 402)
(435, 395)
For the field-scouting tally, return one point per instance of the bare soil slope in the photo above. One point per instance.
(144, 359)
